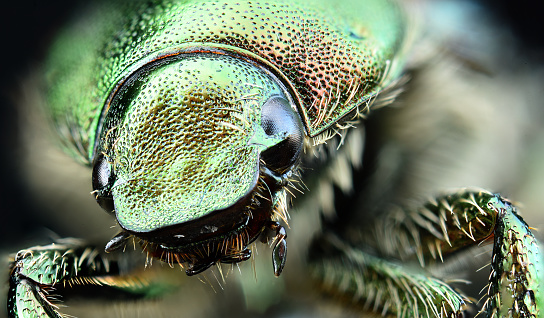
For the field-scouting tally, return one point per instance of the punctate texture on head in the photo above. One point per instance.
(188, 141)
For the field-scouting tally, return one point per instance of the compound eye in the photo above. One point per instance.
(103, 179)
(280, 120)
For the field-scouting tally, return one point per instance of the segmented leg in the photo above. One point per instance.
(383, 286)
(36, 272)
(440, 227)
(517, 268)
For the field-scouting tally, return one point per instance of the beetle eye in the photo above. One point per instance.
(278, 119)
(102, 181)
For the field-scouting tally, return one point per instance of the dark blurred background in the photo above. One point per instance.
(27, 28)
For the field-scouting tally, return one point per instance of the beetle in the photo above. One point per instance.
(259, 97)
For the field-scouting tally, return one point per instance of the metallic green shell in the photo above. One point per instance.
(515, 282)
(333, 58)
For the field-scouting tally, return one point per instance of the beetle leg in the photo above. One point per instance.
(466, 218)
(440, 227)
(515, 282)
(37, 271)
(380, 285)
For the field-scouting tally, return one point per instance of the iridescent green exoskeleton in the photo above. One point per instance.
(196, 117)
(195, 114)
(442, 226)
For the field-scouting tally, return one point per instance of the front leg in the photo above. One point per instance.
(516, 281)
(429, 234)
(36, 272)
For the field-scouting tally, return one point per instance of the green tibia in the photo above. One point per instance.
(334, 58)
(442, 226)
(37, 271)
(184, 139)
(381, 285)
(517, 273)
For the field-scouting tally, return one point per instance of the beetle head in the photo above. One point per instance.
(193, 156)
